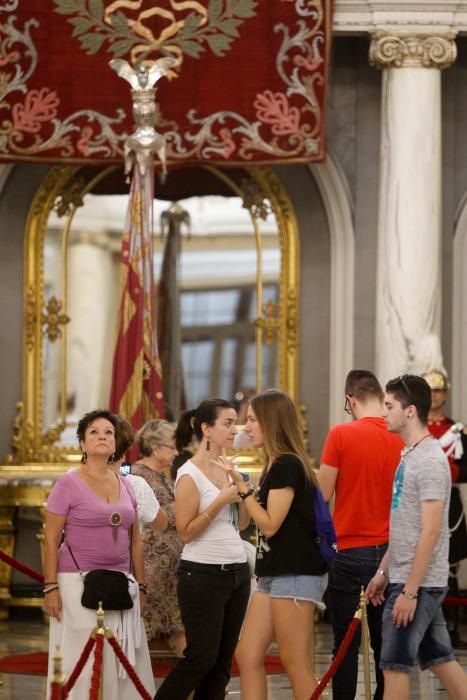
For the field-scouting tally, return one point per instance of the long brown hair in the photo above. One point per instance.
(279, 422)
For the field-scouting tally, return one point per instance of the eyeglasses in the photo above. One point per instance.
(169, 447)
(347, 408)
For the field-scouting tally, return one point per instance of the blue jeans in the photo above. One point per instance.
(350, 570)
(213, 602)
(425, 638)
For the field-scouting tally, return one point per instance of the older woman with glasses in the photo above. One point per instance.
(156, 445)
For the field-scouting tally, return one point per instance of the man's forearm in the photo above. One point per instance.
(423, 555)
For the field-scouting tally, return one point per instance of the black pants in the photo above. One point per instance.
(213, 603)
(457, 552)
(350, 570)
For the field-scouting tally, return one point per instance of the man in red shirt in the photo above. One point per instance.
(358, 463)
(438, 425)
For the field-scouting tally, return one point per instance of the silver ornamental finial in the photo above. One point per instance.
(175, 215)
(145, 140)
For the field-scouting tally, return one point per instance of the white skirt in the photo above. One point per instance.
(73, 631)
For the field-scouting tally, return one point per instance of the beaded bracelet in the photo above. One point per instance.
(245, 495)
(143, 587)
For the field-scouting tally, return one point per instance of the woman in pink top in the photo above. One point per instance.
(90, 513)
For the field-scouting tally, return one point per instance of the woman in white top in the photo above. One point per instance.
(213, 577)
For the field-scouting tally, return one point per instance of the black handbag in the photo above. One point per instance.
(108, 587)
(105, 586)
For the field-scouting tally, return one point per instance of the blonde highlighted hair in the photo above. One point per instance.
(280, 425)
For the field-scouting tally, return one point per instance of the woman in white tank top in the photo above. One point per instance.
(213, 578)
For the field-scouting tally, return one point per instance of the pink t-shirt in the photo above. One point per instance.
(95, 543)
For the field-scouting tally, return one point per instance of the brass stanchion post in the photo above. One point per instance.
(58, 676)
(100, 629)
(365, 646)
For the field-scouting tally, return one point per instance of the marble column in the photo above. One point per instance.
(92, 290)
(408, 300)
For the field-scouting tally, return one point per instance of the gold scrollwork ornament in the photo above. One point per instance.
(292, 321)
(254, 199)
(52, 319)
(270, 322)
(70, 198)
(30, 317)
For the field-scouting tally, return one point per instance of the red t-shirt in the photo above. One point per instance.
(366, 455)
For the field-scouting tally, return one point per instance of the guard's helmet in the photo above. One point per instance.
(437, 380)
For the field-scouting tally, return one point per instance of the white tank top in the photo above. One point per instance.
(220, 542)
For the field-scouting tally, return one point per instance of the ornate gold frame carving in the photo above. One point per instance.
(63, 190)
(52, 319)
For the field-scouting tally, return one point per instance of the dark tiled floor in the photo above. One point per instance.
(27, 633)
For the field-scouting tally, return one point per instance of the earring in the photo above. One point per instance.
(208, 444)
(84, 458)
(111, 459)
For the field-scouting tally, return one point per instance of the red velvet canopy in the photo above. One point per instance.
(249, 86)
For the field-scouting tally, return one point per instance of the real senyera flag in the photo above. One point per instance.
(137, 390)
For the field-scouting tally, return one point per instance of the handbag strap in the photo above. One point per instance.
(122, 479)
(131, 492)
(73, 557)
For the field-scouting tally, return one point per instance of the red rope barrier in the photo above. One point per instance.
(78, 668)
(21, 567)
(336, 662)
(97, 667)
(456, 601)
(129, 669)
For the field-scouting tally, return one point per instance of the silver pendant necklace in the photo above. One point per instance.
(406, 450)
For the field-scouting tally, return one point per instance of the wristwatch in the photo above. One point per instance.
(410, 596)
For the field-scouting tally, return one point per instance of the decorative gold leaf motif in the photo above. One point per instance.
(52, 319)
(254, 199)
(71, 197)
(126, 28)
(270, 322)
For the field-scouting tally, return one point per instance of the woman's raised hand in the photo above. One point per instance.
(229, 465)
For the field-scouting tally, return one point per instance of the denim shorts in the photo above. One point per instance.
(311, 588)
(425, 638)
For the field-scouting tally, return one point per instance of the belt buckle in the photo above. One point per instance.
(223, 567)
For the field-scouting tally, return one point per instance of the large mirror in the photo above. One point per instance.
(225, 261)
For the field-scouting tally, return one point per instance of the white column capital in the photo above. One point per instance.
(402, 50)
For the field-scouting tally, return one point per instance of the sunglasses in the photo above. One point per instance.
(402, 380)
